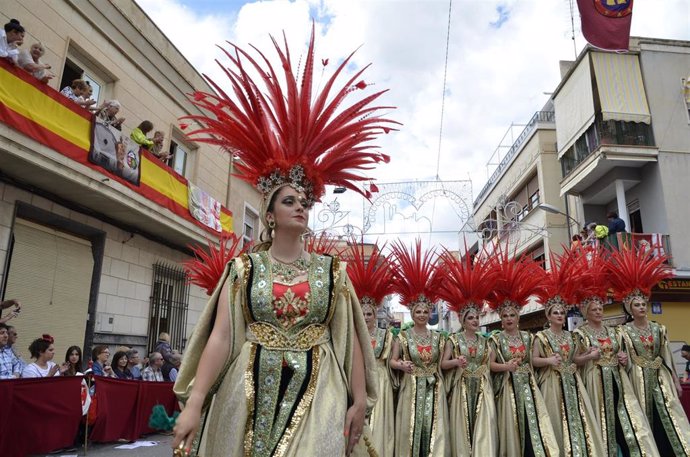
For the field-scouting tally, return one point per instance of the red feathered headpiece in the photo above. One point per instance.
(286, 134)
(371, 277)
(559, 285)
(414, 274)
(207, 266)
(634, 271)
(518, 278)
(593, 263)
(465, 283)
(322, 244)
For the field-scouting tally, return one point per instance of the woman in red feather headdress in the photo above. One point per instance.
(371, 278)
(570, 410)
(465, 284)
(602, 365)
(518, 398)
(421, 417)
(280, 361)
(632, 273)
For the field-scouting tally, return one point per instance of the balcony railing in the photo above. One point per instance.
(602, 133)
(539, 116)
(654, 243)
(44, 115)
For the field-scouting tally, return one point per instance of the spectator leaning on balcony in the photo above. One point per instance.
(10, 367)
(157, 148)
(12, 343)
(616, 224)
(133, 363)
(153, 371)
(107, 114)
(30, 61)
(139, 134)
(76, 93)
(43, 351)
(10, 39)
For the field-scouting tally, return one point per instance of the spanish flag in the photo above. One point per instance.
(606, 23)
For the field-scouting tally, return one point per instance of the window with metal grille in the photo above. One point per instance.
(169, 305)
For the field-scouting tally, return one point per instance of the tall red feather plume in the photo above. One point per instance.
(273, 128)
(465, 281)
(414, 272)
(322, 244)
(564, 277)
(207, 266)
(593, 263)
(634, 268)
(518, 278)
(371, 277)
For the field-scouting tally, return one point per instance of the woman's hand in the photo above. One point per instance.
(622, 358)
(594, 353)
(461, 361)
(554, 360)
(405, 366)
(186, 426)
(354, 422)
(512, 365)
(53, 370)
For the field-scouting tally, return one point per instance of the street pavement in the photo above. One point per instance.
(161, 449)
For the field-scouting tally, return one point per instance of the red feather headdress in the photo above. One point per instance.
(322, 244)
(560, 283)
(518, 278)
(465, 284)
(633, 272)
(414, 274)
(593, 263)
(371, 278)
(207, 266)
(286, 134)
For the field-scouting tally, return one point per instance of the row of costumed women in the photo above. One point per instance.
(596, 391)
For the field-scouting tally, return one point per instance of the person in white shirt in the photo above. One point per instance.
(11, 37)
(43, 351)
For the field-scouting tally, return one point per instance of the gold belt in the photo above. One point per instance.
(273, 338)
(424, 371)
(522, 368)
(566, 368)
(644, 362)
(476, 373)
(607, 362)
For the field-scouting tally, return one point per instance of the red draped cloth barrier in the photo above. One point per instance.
(38, 415)
(41, 415)
(124, 407)
(685, 399)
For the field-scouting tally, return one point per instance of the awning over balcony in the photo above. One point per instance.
(620, 87)
(574, 106)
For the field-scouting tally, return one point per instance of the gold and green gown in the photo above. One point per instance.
(285, 387)
(472, 411)
(649, 368)
(382, 418)
(524, 427)
(421, 417)
(623, 424)
(573, 419)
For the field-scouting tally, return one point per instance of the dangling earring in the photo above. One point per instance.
(271, 224)
(306, 234)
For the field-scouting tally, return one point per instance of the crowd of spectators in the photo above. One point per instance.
(78, 91)
(160, 365)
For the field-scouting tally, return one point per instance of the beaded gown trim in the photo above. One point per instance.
(279, 382)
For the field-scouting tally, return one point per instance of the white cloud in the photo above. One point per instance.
(495, 76)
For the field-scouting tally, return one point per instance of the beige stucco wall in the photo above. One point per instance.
(147, 74)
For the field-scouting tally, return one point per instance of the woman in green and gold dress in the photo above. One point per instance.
(280, 362)
(570, 410)
(471, 409)
(602, 362)
(421, 417)
(371, 278)
(524, 427)
(633, 273)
